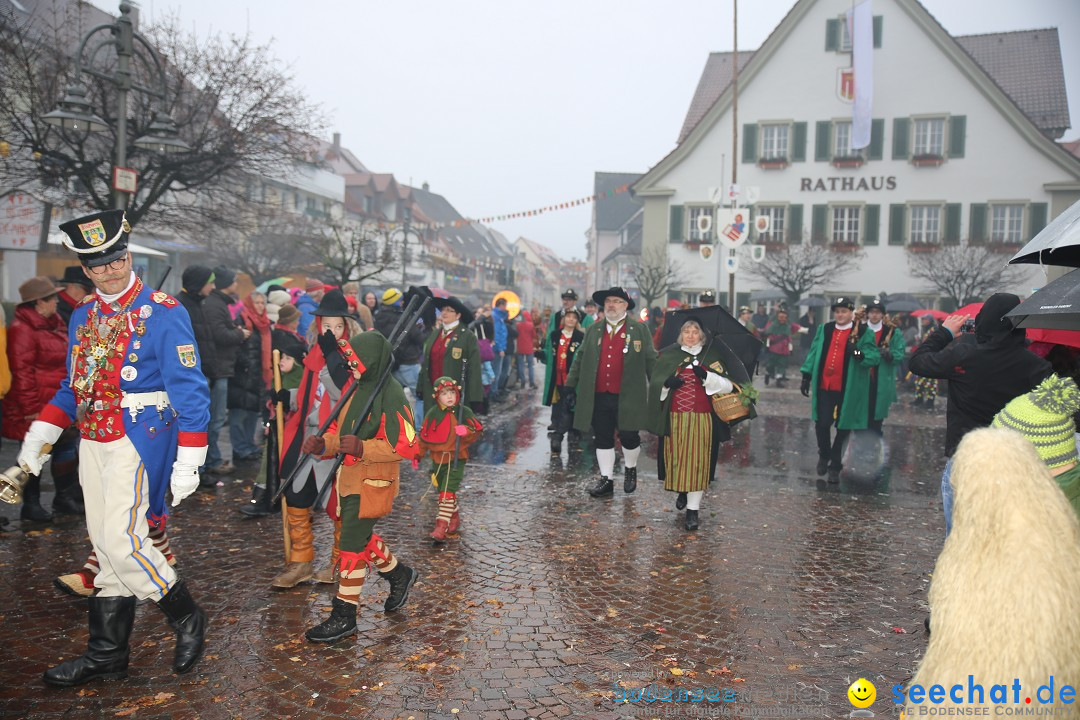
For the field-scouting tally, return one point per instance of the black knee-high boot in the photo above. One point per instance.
(107, 651)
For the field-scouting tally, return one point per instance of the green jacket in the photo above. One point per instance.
(637, 368)
(855, 407)
(892, 355)
(463, 345)
(671, 361)
(549, 360)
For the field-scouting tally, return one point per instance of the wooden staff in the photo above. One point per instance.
(279, 428)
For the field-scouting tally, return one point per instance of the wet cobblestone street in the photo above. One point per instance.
(545, 597)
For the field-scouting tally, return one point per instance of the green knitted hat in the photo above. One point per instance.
(1044, 416)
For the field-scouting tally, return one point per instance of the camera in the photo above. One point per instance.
(968, 326)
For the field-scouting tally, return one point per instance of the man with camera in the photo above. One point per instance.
(986, 363)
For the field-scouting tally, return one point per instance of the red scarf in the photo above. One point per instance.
(260, 323)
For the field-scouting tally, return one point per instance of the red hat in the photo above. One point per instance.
(314, 284)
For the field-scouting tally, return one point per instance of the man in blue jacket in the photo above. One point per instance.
(307, 303)
(501, 365)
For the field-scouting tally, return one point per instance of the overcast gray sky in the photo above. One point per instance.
(505, 106)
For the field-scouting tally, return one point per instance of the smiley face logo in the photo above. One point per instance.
(862, 693)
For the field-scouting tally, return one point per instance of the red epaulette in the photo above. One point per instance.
(88, 299)
(164, 298)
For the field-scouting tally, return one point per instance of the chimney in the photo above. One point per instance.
(425, 187)
(337, 142)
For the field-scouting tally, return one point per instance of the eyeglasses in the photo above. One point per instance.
(114, 265)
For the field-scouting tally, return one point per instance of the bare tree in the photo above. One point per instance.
(234, 104)
(270, 243)
(353, 250)
(965, 273)
(655, 275)
(796, 269)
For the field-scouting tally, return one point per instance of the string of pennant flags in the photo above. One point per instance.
(567, 205)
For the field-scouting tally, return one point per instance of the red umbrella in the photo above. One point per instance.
(936, 314)
(439, 292)
(674, 304)
(1055, 337)
(971, 309)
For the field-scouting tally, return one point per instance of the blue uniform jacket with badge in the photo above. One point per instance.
(133, 371)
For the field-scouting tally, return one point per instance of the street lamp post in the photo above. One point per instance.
(75, 112)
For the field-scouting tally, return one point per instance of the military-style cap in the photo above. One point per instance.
(707, 297)
(876, 304)
(745, 309)
(98, 239)
(843, 302)
(569, 294)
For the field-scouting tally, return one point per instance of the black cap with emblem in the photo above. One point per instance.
(569, 294)
(98, 239)
(843, 302)
(707, 298)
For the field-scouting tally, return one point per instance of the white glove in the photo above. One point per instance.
(185, 472)
(30, 458)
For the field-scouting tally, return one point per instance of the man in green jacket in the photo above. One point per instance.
(445, 349)
(882, 379)
(610, 376)
(838, 393)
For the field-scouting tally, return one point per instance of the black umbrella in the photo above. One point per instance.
(814, 302)
(1055, 307)
(1056, 244)
(903, 305)
(738, 346)
(767, 294)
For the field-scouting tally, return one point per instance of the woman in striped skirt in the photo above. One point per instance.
(685, 376)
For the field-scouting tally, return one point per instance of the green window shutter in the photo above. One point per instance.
(675, 232)
(753, 233)
(877, 30)
(900, 138)
(823, 141)
(877, 139)
(896, 224)
(952, 223)
(818, 224)
(798, 153)
(873, 225)
(749, 143)
(977, 224)
(957, 134)
(1038, 219)
(794, 224)
(832, 35)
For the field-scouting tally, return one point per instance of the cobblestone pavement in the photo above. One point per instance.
(788, 592)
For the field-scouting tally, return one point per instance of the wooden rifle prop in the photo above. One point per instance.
(273, 460)
(366, 410)
(164, 277)
(397, 337)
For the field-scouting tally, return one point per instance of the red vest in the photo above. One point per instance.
(438, 352)
(832, 371)
(609, 372)
(690, 396)
(561, 367)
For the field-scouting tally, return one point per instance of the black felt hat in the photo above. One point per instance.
(844, 302)
(98, 239)
(600, 295)
(333, 304)
(74, 275)
(289, 344)
(876, 305)
(457, 306)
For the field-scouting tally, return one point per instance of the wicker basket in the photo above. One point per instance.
(729, 406)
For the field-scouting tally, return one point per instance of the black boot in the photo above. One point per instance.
(68, 498)
(629, 483)
(822, 465)
(107, 651)
(341, 623)
(604, 488)
(691, 519)
(926, 624)
(556, 444)
(189, 622)
(680, 501)
(260, 504)
(401, 580)
(31, 506)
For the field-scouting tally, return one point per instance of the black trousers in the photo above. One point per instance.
(562, 417)
(605, 423)
(828, 409)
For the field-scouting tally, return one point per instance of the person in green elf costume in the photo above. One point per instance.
(686, 375)
(779, 343)
(440, 435)
(559, 350)
(373, 447)
(446, 348)
(609, 381)
(882, 377)
(838, 395)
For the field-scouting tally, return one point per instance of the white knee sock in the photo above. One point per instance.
(606, 460)
(630, 457)
(693, 500)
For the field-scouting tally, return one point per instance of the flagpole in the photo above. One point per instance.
(734, 134)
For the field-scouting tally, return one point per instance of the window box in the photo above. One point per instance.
(774, 245)
(1001, 247)
(851, 161)
(927, 160)
(773, 163)
(693, 244)
(923, 247)
(845, 246)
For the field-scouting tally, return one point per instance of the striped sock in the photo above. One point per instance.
(380, 555)
(92, 567)
(447, 506)
(351, 581)
(160, 539)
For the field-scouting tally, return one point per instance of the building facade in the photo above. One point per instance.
(962, 149)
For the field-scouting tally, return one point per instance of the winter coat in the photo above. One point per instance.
(37, 355)
(855, 406)
(892, 348)
(207, 349)
(526, 339)
(549, 360)
(985, 370)
(638, 364)
(307, 306)
(412, 347)
(224, 335)
(499, 319)
(247, 391)
(462, 347)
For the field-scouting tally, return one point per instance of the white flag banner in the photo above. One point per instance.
(860, 21)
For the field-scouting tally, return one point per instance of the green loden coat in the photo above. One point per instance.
(464, 341)
(638, 365)
(855, 409)
(891, 348)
